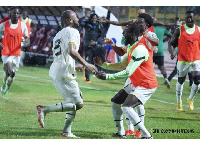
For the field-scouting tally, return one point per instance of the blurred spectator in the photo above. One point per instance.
(93, 39)
(29, 24)
(6, 18)
(40, 34)
(158, 58)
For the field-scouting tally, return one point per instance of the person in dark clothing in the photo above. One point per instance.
(93, 39)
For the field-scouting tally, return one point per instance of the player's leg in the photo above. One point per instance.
(76, 98)
(130, 103)
(173, 73)
(182, 72)
(88, 58)
(128, 87)
(136, 98)
(195, 86)
(11, 65)
(161, 67)
(116, 102)
(69, 90)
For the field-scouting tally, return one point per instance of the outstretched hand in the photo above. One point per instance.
(91, 68)
(1, 46)
(109, 41)
(98, 61)
(101, 75)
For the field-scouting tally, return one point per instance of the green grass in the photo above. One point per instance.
(18, 118)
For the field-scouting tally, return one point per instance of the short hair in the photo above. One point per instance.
(91, 15)
(147, 18)
(134, 29)
(190, 11)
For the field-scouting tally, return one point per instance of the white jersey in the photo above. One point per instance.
(63, 66)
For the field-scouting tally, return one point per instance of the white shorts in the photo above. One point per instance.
(12, 59)
(141, 93)
(69, 90)
(183, 68)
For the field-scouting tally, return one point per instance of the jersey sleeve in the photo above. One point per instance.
(74, 38)
(24, 30)
(117, 66)
(153, 35)
(2, 27)
(139, 55)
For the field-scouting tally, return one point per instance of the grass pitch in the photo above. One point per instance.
(32, 86)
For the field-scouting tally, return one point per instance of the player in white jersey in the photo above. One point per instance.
(63, 74)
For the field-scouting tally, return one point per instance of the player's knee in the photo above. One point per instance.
(120, 97)
(79, 106)
(125, 109)
(10, 73)
(196, 79)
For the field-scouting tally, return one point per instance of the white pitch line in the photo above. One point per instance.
(161, 101)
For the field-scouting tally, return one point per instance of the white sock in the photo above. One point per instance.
(60, 107)
(179, 90)
(9, 82)
(70, 116)
(4, 79)
(141, 112)
(135, 119)
(23, 54)
(118, 117)
(194, 90)
(129, 124)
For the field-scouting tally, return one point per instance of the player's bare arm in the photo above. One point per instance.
(98, 61)
(104, 20)
(173, 42)
(119, 50)
(154, 41)
(75, 55)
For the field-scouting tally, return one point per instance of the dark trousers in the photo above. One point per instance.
(92, 52)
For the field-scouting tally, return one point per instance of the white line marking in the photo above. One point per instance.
(161, 101)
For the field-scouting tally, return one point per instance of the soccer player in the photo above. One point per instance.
(29, 23)
(149, 38)
(187, 38)
(63, 74)
(11, 46)
(158, 58)
(137, 65)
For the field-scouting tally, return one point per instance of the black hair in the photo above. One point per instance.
(134, 29)
(91, 15)
(147, 18)
(190, 11)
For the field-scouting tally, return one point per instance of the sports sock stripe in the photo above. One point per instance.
(137, 123)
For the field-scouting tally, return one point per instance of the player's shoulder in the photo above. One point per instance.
(141, 48)
(151, 34)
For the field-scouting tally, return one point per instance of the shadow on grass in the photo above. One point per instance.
(35, 133)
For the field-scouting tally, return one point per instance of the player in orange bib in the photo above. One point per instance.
(10, 48)
(187, 37)
(29, 24)
(137, 65)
